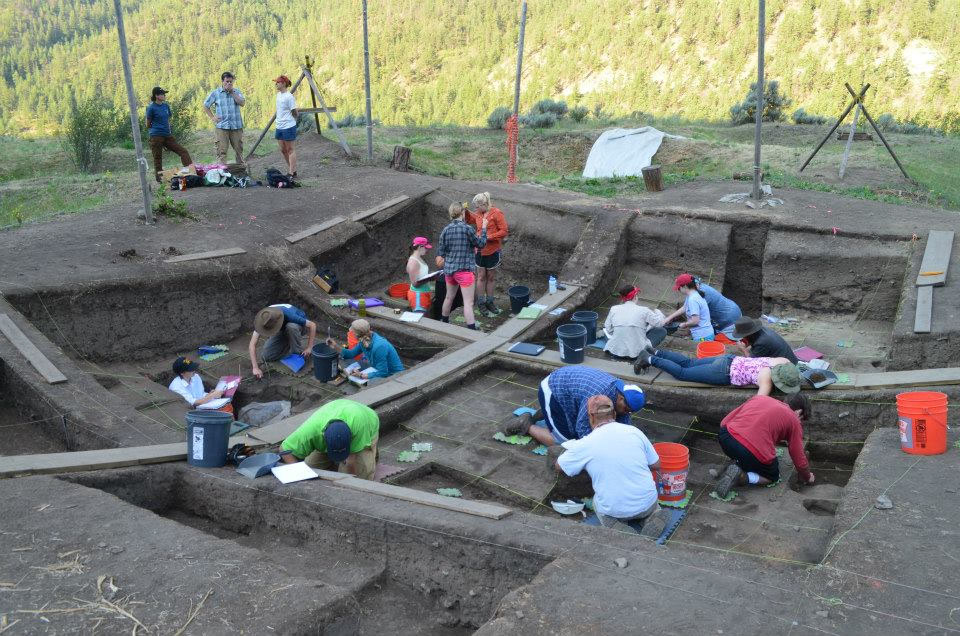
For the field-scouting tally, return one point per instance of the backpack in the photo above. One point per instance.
(190, 181)
(327, 280)
(276, 179)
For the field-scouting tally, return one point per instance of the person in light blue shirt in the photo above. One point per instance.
(723, 311)
(695, 308)
(377, 352)
(227, 118)
(158, 129)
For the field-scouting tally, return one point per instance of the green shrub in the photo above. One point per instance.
(539, 120)
(801, 116)
(579, 113)
(887, 123)
(183, 124)
(166, 205)
(354, 121)
(89, 127)
(773, 105)
(498, 118)
(545, 106)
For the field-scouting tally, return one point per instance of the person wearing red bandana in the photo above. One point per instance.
(630, 326)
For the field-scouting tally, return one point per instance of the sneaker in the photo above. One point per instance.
(518, 425)
(727, 480)
(655, 524)
(642, 363)
(649, 349)
(492, 309)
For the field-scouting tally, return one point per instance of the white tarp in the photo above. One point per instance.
(623, 152)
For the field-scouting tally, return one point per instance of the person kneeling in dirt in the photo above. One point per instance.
(283, 326)
(630, 327)
(377, 352)
(621, 462)
(749, 436)
(563, 399)
(340, 433)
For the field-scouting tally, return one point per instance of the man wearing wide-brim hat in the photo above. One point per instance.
(283, 326)
(757, 341)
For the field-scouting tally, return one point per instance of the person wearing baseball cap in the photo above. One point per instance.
(340, 434)
(563, 397)
(158, 129)
(417, 269)
(187, 384)
(286, 123)
(695, 309)
(283, 326)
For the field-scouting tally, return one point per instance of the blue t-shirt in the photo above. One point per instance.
(159, 116)
(723, 311)
(696, 305)
(381, 355)
(292, 314)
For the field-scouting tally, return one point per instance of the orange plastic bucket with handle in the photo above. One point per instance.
(922, 419)
(399, 290)
(722, 337)
(710, 348)
(674, 466)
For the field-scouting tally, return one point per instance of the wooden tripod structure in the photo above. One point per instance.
(305, 74)
(857, 102)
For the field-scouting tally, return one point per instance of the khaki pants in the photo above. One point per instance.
(365, 462)
(157, 144)
(227, 138)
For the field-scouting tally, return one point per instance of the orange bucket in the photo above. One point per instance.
(674, 466)
(922, 418)
(710, 348)
(721, 337)
(399, 290)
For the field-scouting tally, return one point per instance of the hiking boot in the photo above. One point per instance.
(655, 524)
(493, 310)
(727, 480)
(649, 349)
(518, 425)
(642, 363)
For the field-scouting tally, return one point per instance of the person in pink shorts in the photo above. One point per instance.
(456, 254)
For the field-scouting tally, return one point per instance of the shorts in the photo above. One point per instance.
(746, 460)
(365, 461)
(463, 278)
(286, 134)
(490, 261)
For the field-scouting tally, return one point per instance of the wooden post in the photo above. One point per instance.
(273, 117)
(856, 100)
(853, 130)
(652, 178)
(401, 158)
(879, 134)
(323, 105)
(366, 85)
(134, 120)
(759, 104)
(313, 98)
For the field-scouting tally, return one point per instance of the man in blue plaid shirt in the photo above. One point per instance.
(227, 118)
(563, 404)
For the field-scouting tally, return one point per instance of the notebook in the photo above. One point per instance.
(357, 380)
(228, 384)
(527, 349)
(429, 277)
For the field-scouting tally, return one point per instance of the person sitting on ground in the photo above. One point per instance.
(749, 436)
(340, 433)
(725, 370)
(723, 311)
(377, 352)
(456, 255)
(158, 128)
(621, 462)
(419, 294)
(563, 399)
(488, 257)
(283, 326)
(630, 327)
(187, 383)
(756, 341)
(694, 307)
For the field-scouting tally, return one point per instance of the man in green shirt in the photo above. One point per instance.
(341, 432)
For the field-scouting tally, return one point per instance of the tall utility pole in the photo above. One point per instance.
(134, 120)
(366, 80)
(516, 89)
(759, 102)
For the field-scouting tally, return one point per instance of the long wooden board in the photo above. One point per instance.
(359, 216)
(920, 377)
(476, 508)
(29, 350)
(936, 258)
(924, 316)
(436, 326)
(200, 256)
(315, 229)
(311, 111)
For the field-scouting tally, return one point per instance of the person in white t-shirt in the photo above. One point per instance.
(189, 386)
(286, 123)
(621, 461)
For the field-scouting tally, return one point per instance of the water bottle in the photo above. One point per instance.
(362, 308)
(552, 283)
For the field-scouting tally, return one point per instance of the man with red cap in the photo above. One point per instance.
(630, 327)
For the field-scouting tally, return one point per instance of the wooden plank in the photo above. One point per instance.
(429, 324)
(29, 350)
(936, 258)
(616, 368)
(920, 377)
(924, 316)
(311, 111)
(200, 256)
(315, 229)
(326, 111)
(475, 508)
(448, 364)
(359, 216)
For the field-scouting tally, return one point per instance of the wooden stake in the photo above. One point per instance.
(856, 99)
(272, 118)
(879, 134)
(853, 130)
(313, 98)
(652, 178)
(323, 105)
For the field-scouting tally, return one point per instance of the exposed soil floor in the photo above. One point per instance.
(20, 437)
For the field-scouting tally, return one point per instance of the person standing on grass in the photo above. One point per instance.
(286, 123)
(227, 118)
(489, 256)
(455, 249)
(158, 128)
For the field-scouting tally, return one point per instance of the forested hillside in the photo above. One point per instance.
(452, 61)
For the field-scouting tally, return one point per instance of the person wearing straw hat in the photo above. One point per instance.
(341, 433)
(621, 463)
(283, 326)
(750, 434)
(630, 327)
(726, 370)
(757, 341)
(563, 397)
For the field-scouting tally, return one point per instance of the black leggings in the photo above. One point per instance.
(745, 459)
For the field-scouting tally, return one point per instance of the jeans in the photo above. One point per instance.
(746, 460)
(635, 523)
(656, 335)
(714, 370)
(289, 340)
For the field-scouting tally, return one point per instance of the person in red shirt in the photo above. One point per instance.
(488, 257)
(750, 433)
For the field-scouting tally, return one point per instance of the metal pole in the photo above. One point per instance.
(759, 103)
(366, 80)
(134, 120)
(516, 89)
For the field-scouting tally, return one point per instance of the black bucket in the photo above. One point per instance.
(208, 435)
(519, 298)
(325, 366)
(589, 320)
(573, 340)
